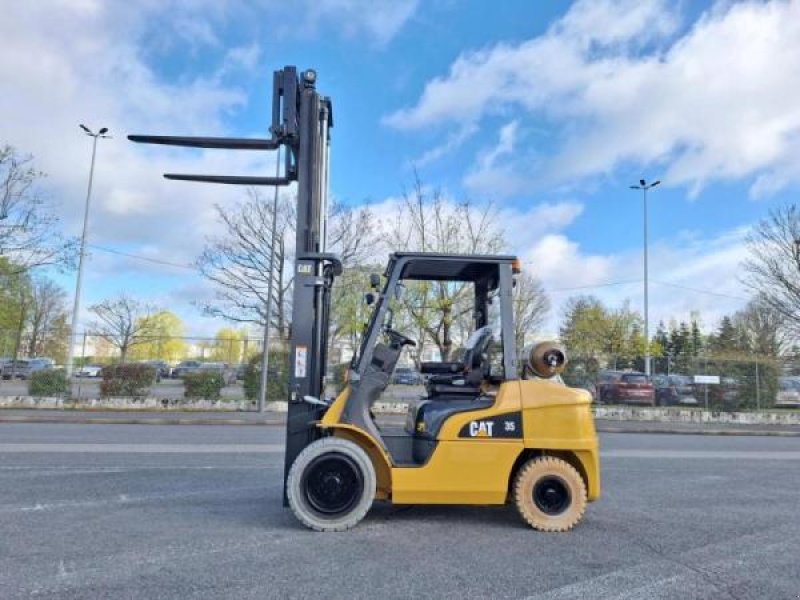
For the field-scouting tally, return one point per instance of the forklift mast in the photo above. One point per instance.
(301, 123)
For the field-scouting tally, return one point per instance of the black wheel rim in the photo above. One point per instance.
(332, 484)
(551, 495)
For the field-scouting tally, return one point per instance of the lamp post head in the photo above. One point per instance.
(643, 183)
(86, 129)
(103, 130)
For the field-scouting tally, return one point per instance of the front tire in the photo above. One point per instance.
(550, 494)
(331, 485)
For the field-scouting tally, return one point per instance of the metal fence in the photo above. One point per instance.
(712, 382)
(171, 357)
(739, 382)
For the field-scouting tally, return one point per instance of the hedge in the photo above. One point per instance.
(127, 380)
(49, 382)
(203, 384)
(277, 376)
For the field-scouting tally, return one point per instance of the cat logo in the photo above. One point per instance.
(481, 428)
(504, 426)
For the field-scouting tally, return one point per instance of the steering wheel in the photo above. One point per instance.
(398, 339)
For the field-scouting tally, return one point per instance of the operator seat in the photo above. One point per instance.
(466, 376)
(449, 394)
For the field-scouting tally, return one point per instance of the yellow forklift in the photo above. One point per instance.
(488, 431)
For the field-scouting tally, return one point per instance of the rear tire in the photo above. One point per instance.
(550, 494)
(331, 485)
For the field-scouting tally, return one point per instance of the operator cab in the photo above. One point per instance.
(471, 298)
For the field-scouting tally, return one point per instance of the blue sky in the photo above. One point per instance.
(548, 109)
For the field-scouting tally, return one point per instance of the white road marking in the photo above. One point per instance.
(142, 448)
(73, 470)
(705, 454)
(124, 499)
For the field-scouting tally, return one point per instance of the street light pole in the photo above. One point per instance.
(262, 385)
(644, 186)
(102, 133)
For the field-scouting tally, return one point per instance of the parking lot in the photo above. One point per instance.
(135, 511)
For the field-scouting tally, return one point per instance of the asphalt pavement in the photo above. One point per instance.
(139, 511)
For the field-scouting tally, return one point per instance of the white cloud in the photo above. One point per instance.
(379, 21)
(522, 227)
(241, 58)
(453, 142)
(539, 236)
(687, 276)
(494, 172)
(718, 102)
(55, 76)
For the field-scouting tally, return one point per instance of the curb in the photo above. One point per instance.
(716, 432)
(134, 421)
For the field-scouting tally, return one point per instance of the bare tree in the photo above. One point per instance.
(122, 322)
(47, 310)
(352, 234)
(762, 328)
(531, 306)
(427, 222)
(239, 262)
(773, 268)
(28, 231)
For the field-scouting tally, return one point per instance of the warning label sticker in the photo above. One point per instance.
(300, 357)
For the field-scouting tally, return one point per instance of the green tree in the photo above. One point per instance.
(161, 337)
(612, 337)
(726, 340)
(228, 346)
(697, 338)
(15, 305)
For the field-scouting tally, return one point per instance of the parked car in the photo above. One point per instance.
(18, 369)
(228, 374)
(89, 371)
(241, 371)
(406, 376)
(43, 362)
(788, 392)
(187, 366)
(727, 394)
(625, 387)
(24, 368)
(674, 390)
(163, 370)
